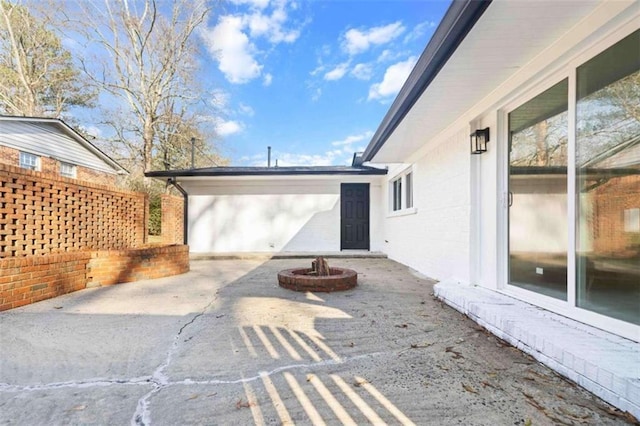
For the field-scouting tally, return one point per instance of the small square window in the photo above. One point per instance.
(29, 161)
(68, 170)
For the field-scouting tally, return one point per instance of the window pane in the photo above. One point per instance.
(67, 170)
(28, 161)
(397, 194)
(538, 226)
(608, 181)
(409, 184)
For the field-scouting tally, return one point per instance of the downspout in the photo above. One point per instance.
(185, 209)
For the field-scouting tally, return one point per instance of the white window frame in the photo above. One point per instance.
(29, 161)
(72, 167)
(404, 197)
(569, 307)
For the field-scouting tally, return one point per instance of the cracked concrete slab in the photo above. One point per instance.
(224, 344)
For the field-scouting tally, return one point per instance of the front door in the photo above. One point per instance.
(354, 216)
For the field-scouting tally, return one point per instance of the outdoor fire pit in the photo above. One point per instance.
(320, 277)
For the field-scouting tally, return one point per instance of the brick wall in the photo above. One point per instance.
(26, 280)
(172, 219)
(610, 200)
(30, 279)
(121, 266)
(11, 157)
(42, 214)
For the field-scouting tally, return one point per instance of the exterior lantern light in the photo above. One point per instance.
(479, 140)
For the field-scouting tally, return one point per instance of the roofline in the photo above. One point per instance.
(74, 134)
(271, 171)
(457, 22)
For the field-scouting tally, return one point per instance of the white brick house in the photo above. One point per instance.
(538, 237)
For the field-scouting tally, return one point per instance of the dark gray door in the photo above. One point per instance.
(354, 216)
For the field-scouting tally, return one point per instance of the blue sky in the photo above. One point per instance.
(311, 79)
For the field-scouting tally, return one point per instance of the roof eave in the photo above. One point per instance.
(275, 172)
(457, 22)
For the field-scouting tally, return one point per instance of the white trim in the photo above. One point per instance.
(571, 189)
(402, 177)
(403, 212)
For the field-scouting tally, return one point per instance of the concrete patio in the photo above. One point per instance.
(223, 344)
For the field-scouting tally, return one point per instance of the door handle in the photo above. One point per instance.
(509, 198)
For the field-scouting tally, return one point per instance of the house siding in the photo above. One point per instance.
(435, 240)
(46, 140)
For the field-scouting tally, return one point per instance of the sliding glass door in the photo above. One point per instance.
(608, 181)
(604, 146)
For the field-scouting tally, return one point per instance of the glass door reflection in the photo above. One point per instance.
(538, 226)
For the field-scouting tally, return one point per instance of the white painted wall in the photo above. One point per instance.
(435, 239)
(270, 215)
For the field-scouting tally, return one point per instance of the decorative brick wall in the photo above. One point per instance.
(172, 219)
(25, 280)
(113, 267)
(42, 214)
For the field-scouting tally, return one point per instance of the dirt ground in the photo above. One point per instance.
(223, 344)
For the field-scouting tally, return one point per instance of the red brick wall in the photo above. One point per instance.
(172, 219)
(95, 176)
(31, 279)
(11, 157)
(610, 200)
(42, 214)
(113, 267)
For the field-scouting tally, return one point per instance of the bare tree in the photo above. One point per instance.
(150, 64)
(37, 75)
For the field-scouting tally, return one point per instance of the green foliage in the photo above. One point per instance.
(155, 214)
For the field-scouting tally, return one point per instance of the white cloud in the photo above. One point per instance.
(233, 50)
(227, 128)
(246, 110)
(337, 73)
(230, 44)
(394, 78)
(317, 94)
(418, 31)
(362, 71)
(267, 80)
(357, 41)
(350, 140)
(272, 27)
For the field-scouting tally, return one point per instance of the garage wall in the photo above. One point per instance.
(435, 238)
(270, 216)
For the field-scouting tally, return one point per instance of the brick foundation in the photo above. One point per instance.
(30, 279)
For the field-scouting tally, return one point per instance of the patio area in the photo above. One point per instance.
(223, 344)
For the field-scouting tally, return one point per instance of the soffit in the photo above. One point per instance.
(508, 36)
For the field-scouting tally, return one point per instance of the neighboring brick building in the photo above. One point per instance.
(51, 146)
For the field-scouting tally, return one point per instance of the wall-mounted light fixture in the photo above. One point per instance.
(479, 140)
